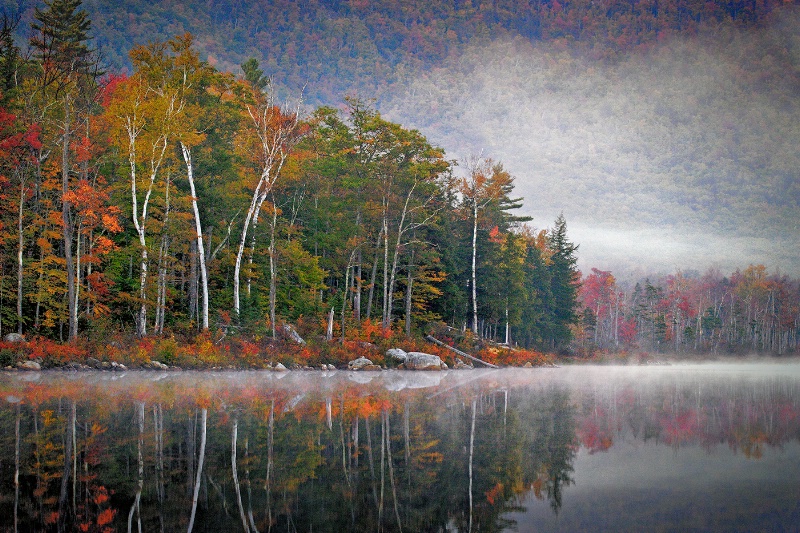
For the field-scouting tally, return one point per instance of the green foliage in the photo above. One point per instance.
(363, 216)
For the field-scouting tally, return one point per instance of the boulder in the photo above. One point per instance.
(280, 368)
(13, 337)
(29, 365)
(424, 361)
(462, 365)
(291, 334)
(397, 354)
(358, 364)
(155, 365)
(527, 365)
(91, 362)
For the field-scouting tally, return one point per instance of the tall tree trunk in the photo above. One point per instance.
(471, 453)
(16, 468)
(273, 274)
(140, 483)
(194, 300)
(409, 289)
(196, 493)
(474, 266)
(158, 431)
(373, 276)
(201, 254)
(268, 478)
(385, 318)
(20, 248)
(67, 229)
(65, 478)
(508, 327)
(371, 462)
(235, 473)
(357, 296)
(391, 468)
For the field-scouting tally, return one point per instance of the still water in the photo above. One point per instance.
(680, 448)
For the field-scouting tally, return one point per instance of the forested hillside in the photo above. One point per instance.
(333, 46)
(673, 118)
(180, 199)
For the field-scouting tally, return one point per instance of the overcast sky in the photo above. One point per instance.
(683, 157)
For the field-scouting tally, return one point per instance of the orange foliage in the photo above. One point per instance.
(493, 493)
(52, 353)
(106, 517)
(511, 357)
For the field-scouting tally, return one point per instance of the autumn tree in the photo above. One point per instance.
(270, 135)
(67, 73)
(487, 184)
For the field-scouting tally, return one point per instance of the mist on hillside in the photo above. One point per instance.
(681, 156)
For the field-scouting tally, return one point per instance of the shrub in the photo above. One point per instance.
(166, 351)
(7, 357)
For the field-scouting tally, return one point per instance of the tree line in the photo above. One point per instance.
(180, 199)
(748, 311)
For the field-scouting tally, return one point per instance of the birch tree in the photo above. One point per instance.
(271, 134)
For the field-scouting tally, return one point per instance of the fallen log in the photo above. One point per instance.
(459, 352)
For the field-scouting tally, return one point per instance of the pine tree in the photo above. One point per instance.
(565, 280)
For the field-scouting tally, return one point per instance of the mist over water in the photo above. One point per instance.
(680, 156)
(709, 447)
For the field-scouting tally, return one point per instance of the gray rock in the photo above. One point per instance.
(13, 337)
(424, 361)
(280, 368)
(527, 365)
(462, 365)
(156, 365)
(397, 354)
(292, 334)
(29, 365)
(93, 363)
(358, 364)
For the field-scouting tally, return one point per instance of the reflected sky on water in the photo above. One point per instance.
(700, 447)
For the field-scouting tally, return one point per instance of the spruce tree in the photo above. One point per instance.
(564, 284)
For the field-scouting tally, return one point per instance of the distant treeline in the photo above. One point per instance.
(750, 311)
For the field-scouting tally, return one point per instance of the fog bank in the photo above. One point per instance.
(681, 156)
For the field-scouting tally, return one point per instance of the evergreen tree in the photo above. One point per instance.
(536, 321)
(9, 59)
(60, 42)
(564, 283)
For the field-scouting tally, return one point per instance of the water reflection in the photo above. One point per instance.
(392, 451)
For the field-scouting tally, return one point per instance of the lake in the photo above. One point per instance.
(713, 447)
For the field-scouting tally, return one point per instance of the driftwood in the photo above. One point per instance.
(459, 352)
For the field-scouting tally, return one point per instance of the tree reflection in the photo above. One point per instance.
(263, 454)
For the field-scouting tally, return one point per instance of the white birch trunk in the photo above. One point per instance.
(474, 263)
(196, 494)
(201, 254)
(275, 138)
(273, 274)
(235, 473)
(20, 246)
